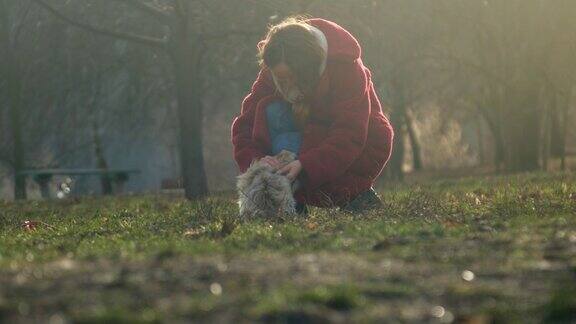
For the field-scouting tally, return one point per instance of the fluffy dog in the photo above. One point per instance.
(264, 193)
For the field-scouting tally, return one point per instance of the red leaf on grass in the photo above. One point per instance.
(30, 225)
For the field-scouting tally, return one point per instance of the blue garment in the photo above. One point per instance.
(284, 134)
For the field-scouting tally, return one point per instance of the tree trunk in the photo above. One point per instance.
(414, 142)
(14, 86)
(556, 130)
(185, 61)
(480, 135)
(397, 159)
(105, 181)
(496, 132)
(523, 149)
(523, 131)
(18, 150)
(564, 134)
(547, 117)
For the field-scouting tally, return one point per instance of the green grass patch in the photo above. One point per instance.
(516, 233)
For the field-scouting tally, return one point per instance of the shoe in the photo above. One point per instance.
(301, 209)
(366, 201)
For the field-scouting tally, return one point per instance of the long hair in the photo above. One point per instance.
(293, 43)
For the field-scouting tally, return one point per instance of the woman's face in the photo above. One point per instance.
(285, 82)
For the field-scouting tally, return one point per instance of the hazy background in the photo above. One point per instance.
(471, 87)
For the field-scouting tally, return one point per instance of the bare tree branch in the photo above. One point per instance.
(181, 10)
(20, 25)
(229, 33)
(272, 4)
(460, 62)
(143, 40)
(155, 12)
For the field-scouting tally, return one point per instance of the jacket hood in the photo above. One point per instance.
(342, 46)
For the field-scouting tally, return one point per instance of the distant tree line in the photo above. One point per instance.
(71, 72)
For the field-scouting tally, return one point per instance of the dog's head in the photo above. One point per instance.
(263, 192)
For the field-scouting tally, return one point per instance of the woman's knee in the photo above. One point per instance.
(287, 141)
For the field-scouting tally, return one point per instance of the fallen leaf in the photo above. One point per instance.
(30, 225)
(311, 226)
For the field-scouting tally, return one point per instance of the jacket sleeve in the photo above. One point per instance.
(245, 149)
(347, 134)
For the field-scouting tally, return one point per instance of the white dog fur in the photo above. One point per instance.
(264, 193)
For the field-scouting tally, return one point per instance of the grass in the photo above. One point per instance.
(158, 259)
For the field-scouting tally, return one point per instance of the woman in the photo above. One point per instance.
(314, 97)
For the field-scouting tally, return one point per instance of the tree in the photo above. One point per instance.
(508, 51)
(183, 46)
(12, 18)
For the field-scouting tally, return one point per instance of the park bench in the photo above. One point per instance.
(118, 177)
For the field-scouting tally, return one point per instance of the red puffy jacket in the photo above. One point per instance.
(347, 140)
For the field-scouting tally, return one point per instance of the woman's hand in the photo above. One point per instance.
(271, 161)
(291, 170)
